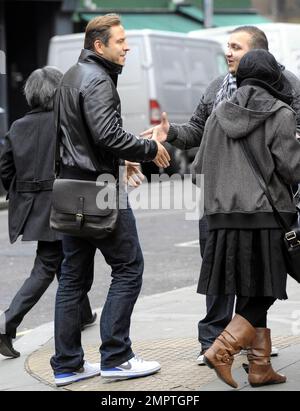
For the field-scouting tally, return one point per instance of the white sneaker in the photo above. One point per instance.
(274, 352)
(243, 352)
(86, 371)
(133, 368)
(200, 358)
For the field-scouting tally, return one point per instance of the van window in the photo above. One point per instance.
(133, 89)
(171, 68)
(201, 65)
(222, 64)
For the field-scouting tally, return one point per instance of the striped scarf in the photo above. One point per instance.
(227, 89)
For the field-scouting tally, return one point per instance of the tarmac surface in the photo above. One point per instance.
(164, 328)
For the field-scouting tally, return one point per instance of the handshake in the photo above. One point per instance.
(133, 176)
(159, 134)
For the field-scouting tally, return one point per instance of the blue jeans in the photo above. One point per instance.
(219, 312)
(122, 252)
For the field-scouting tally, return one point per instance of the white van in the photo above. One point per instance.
(284, 41)
(164, 71)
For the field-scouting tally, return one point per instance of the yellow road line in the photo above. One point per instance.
(23, 333)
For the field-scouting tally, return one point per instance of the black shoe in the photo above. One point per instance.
(89, 322)
(6, 347)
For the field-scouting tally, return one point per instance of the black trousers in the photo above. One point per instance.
(254, 309)
(47, 264)
(220, 308)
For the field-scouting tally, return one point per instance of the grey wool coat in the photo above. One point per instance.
(27, 173)
(232, 194)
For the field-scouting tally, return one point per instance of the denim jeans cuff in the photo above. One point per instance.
(121, 360)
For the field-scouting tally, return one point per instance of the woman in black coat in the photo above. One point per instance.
(27, 173)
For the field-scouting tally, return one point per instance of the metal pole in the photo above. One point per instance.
(208, 10)
(278, 9)
(3, 76)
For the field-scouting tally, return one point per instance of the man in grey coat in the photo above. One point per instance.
(188, 135)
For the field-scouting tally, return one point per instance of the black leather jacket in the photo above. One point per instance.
(90, 109)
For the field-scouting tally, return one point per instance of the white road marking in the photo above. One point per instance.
(23, 333)
(193, 244)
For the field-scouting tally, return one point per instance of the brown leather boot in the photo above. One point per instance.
(237, 335)
(260, 368)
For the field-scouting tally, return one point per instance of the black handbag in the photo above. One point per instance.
(76, 210)
(291, 235)
(83, 208)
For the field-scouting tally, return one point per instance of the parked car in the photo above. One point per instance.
(164, 71)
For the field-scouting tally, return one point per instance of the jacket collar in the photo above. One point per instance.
(90, 56)
(35, 110)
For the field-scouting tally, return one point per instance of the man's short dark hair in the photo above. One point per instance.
(99, 29)
(41, 86)
(258, 38)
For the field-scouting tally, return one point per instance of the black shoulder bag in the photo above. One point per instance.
(83, 208)
(291, 235)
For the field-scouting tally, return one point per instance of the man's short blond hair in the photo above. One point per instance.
(99, 29)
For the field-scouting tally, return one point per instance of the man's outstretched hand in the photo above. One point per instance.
(133, 175)
(158, 133)
(162, 158)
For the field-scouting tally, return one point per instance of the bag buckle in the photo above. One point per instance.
(79, 219)
(292, 238)
(79, 215)
(291, 235)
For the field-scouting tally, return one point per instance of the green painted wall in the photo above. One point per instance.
(226, 4)
(127, 4)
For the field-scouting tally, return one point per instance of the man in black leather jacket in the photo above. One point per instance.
(90, 115)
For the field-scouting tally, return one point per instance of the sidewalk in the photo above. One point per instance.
(164, 328)
(3, 202)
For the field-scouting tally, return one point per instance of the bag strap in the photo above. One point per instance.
(57, 121)
(261, 181)
(86, 144)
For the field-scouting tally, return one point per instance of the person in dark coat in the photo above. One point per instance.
(27, 173)
(219, 308)
(244, 254)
